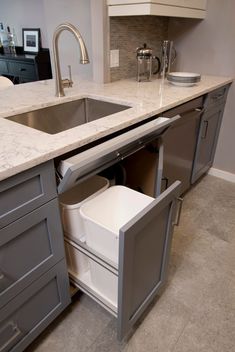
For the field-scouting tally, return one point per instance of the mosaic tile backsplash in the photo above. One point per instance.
(128, 33)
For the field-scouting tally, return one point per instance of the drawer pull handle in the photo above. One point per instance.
(205, 129)
(22, 69)
(178, 213)
(201, 110)
(15, 330)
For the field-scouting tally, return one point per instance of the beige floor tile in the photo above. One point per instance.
(79, 325)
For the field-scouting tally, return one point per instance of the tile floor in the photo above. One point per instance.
(196, 311)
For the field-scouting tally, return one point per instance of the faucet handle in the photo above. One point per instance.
(68, 82)
(70, 76)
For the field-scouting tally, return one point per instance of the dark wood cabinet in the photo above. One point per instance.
(21, 68)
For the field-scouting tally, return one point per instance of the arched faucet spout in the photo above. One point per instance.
(64, 83)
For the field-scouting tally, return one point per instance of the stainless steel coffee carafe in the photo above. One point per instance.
(147, 64)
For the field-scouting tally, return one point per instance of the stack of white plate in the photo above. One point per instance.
(183, 79)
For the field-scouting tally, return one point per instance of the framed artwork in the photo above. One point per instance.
(31, 40)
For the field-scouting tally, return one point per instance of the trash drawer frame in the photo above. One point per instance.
(75, 169)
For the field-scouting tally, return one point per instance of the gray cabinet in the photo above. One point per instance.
(209, 132)
(31, 253)
(180, 143)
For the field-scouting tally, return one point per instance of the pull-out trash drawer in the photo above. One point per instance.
(125, 277)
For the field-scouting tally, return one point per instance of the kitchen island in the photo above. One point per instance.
(22, 147)
(30, 218)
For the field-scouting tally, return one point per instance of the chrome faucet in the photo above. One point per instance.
(65, 83)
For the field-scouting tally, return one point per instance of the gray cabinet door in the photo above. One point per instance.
(207, 141)
(28, 314)
(29, 247)
(144, 249)
(26, 191)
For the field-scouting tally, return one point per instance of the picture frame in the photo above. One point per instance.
(31, 40)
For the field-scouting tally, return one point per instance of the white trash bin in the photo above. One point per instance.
(71, 201)
(103, 216)
(77, 262)
(106, 213)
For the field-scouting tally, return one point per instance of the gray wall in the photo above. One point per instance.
(209, 47)
(46, 15)
(23, 13)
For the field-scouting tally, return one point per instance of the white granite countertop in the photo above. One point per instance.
(22, 147)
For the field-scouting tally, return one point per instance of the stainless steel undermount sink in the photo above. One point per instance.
(61, 117)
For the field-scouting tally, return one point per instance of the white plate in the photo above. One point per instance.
(182, 84)
(184, 75)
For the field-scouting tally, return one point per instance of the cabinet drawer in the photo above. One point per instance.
(26, 191)
(25, 317)
(3, 67)
(126, 288)
(216, 97)
(21, 69)
(29, 247)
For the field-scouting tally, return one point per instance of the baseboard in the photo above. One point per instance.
(222, 174)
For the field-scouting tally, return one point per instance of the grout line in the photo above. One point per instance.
(181, 333)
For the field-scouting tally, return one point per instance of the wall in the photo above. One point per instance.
(128, 33)
(46, 15)
(24, 14)
(209, 47)
(78, 13)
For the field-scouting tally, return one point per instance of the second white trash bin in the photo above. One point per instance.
(72, 200)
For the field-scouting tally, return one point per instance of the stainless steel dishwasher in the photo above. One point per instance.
(180, 143)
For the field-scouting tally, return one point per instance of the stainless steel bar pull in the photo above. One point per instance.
(179, 210)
